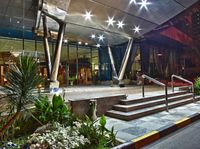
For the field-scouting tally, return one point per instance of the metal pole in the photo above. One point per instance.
(172, 83)
(125, 59)
(112, 63)
(77, 64)
(142, 87)
(57, 53)
(91, 63)
(166, 98)
(46, 46)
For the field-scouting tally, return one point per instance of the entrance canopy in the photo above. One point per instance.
(111, 21)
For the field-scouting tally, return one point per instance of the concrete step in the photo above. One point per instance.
(147, 111)
(140, 100)
(147, 104)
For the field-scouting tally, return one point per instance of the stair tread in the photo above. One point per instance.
(147, 109)
(151, 101)
(157, 96)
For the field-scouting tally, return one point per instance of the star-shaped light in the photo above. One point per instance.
(110, 21)
(93, 36)
(98, 45)
(133, 1)
(143, 4)
(137, 29)
(120, 24)
(87, 15)
(101, 37)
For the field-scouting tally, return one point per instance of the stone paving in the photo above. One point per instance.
(128, 130)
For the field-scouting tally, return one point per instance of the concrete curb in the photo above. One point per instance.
(157, 134)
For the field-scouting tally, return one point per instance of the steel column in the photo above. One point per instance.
(77, 64)
(115, 76)
(46, 46)
(125, 60)
(57, 53)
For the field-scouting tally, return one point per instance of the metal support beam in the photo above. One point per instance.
(115, 76)
(77, 64)
(125, 60)
(57, 54)
(46, 46)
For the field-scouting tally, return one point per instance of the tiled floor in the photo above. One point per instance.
(128, 130)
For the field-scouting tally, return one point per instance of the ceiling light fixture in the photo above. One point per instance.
(79, 42)
(143, 4)
(98, 45)
(110, 21)
(86, 43)
(132, 1)
(87, 15)
(93, 36)
(120, 24)
(137, 29)
(101, 37)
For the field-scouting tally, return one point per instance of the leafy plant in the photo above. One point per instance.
(98, 135)
(197, 86)
(57, 111)
(22, 79)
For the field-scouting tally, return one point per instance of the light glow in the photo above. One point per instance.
(101, 37)
(79, 42)
(87, 15)
(93, 36)
(98, 45)
(132, 1)
(137, 29)
(86, 43)
(143, 4)
(110, 21)
(120, 24)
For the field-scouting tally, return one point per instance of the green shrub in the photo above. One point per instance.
(55, 111)
(98, 135)
(197, 86)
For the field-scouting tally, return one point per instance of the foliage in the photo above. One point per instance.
(57, 111)
(98, 135)
(58, 136)
(197, 86)
(22, 79)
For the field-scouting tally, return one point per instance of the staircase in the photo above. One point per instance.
(130, 109)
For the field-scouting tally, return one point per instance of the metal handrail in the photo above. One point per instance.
(158, 83)
(183, 79)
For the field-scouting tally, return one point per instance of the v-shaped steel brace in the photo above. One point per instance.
(124, 61)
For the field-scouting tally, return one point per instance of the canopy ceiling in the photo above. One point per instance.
(18, 13)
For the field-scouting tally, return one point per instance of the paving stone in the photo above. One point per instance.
(136, 131)
(125, 136)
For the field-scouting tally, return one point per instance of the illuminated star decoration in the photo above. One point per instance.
(133, 1)
(87, 15)
(120, 24)
(101, 37)
(98, 45)
(137, 29)
(110, 21)
(143, 4)
(93, 36)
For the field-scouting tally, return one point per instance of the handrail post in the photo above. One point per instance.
(180, 78)
(172, 83)
(166, 98)
(142, 87)
(193, 92)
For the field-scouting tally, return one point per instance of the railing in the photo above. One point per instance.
(185, 80)
(158, 83)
